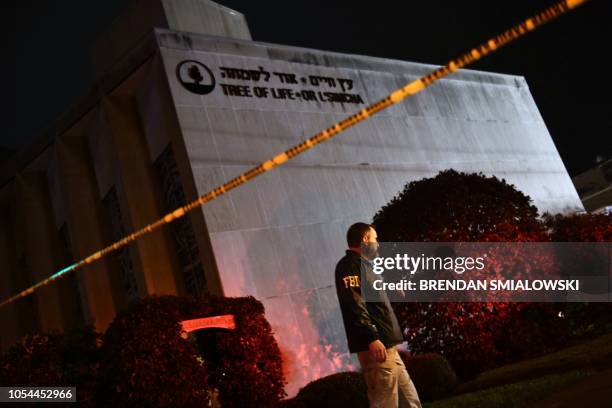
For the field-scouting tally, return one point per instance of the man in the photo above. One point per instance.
(371, 328)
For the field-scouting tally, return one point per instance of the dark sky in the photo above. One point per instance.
(47, 47)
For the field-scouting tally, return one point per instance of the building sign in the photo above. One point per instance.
(213, 322)
(256, 83)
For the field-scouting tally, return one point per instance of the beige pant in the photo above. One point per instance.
(389, 385)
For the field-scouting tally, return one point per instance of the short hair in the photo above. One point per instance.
(356, 232)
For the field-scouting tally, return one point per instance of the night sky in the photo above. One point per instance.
(46, 59)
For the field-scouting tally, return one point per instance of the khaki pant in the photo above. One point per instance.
(389, 385)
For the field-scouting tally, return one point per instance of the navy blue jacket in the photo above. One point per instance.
(363, 322)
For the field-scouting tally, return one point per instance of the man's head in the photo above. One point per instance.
(362, 233)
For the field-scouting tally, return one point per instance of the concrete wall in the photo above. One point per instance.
(86, 224)
(137, 20)
(279, 236)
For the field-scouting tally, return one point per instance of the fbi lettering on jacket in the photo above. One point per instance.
(351, 281)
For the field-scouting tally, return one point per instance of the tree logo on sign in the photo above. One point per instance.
(195, 77)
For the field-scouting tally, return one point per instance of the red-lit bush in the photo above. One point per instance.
(460, 207)
(54, 360)
(584, 318)
(345, 389)
(146, 362)
(431, 373)
(579, 227)
(244, 364)
(455, 207)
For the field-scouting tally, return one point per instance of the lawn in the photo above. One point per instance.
(592, 354)
(518, 384)
(518, 394)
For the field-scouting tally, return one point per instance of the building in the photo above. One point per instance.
(595, 187)
(183, 107)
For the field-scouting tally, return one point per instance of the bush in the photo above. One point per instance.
(432, 375)
(455, 207)
(585, 319)
(245, 364)
(579, 227)
(146, 362)
(346, 389)
(54, 360)
(460, 207)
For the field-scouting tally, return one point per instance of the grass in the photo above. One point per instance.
(593, 354)
(528, 381)
(518, 394)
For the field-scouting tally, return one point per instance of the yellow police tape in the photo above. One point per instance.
(393, 98)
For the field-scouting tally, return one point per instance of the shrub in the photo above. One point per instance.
(431, 374)
(146, 362)
(346, 389)
(585, 319)
(54, 360)
(579, 227)
(244, 364)
(455, 207)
